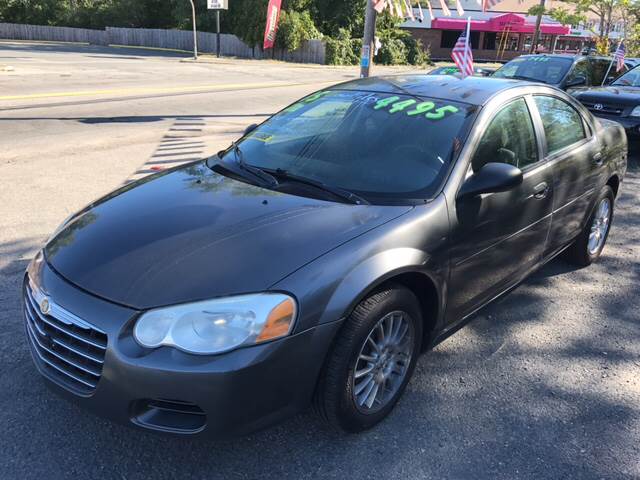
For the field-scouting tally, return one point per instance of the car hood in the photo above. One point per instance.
(611, 94)
(191, 234)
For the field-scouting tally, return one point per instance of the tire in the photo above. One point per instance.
(336, 398)
(581, 253)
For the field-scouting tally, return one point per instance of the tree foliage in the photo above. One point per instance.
(295, 28)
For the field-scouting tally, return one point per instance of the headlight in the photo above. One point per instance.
(635, 112)
(217, 326)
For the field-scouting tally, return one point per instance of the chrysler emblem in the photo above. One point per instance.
(44, 306)
(598, 106)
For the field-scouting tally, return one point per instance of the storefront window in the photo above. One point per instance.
(450, 37)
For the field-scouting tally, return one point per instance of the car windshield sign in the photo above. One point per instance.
(539, 68)
(629, 79)
(378, 145)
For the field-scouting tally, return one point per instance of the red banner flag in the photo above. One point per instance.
(273, 14)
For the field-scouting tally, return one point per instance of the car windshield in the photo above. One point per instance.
(540, 68)
(380, 146)
(629, 79)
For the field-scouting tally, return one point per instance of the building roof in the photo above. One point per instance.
(471, 90)
(476, 15)
(509, 22)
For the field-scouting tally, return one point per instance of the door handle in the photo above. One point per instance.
(598, 159)
(540, 191)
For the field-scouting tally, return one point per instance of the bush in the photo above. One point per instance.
(294, 29)
(392, 52)
(342, 50)
(400, 48)
(417, 54)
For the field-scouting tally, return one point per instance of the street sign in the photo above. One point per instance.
(218, 4)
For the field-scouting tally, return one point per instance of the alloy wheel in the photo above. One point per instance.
(383, 362)
(599, 227)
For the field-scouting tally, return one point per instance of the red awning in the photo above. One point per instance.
(500, 23)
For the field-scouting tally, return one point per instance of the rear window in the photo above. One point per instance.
(539, 68)
(379, 145)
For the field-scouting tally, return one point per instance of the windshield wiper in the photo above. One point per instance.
(265, 178)
(524, 77)
(333, 190)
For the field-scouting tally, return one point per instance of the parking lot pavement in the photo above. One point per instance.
(543, 384)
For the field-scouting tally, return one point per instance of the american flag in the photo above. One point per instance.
(619, 56)
(461, 53)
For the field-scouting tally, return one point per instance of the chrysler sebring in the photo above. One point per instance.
(312, 261)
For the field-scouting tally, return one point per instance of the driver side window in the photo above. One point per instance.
(509, 138)
(580, 70)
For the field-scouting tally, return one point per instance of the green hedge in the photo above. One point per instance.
(342, 50)
(294, 29)
(398, 48)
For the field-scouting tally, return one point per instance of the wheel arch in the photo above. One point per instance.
(423, 284)
(614, 183)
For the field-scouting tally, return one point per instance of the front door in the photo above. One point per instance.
(498, 237)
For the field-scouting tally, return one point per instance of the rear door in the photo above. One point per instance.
(498, 237)
(574, 152)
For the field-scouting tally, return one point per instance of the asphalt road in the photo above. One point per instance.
(543, 384)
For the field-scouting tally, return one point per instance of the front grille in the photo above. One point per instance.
(604, 108)
(67, 349)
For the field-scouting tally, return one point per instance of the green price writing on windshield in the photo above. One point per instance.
(428, 109)
(310, 99)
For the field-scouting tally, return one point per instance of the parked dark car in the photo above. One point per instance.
(567, 72)
(314, 259)
(620, 101)
(452, 70)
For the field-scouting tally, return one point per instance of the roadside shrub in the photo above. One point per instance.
(400, 48)
(393, 52)
(294, 29)
(417, 54)
(342, 50)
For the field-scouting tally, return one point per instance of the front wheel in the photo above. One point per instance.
(588, 247)
(371, 361)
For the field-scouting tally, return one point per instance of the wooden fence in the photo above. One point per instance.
(312, 51)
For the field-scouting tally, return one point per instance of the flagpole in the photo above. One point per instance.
(606, 75)
(608, 70)
(468, 42)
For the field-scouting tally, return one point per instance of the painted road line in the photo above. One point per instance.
(148, 90)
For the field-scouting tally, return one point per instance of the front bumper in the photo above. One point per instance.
(171, 391)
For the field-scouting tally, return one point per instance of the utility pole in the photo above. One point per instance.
(195, 32)
(366, 57)
(536, 35)
(218, 33)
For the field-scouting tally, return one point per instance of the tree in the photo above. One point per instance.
(39, 12)
(332, 15)
(295, 28)
(247, 19)
(565, 17)
(604, 10)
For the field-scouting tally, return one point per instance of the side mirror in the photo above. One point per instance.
(250, 129)
(491, 178)
(578, 81)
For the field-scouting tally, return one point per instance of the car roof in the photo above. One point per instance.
(571, 56)
(471, 90)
